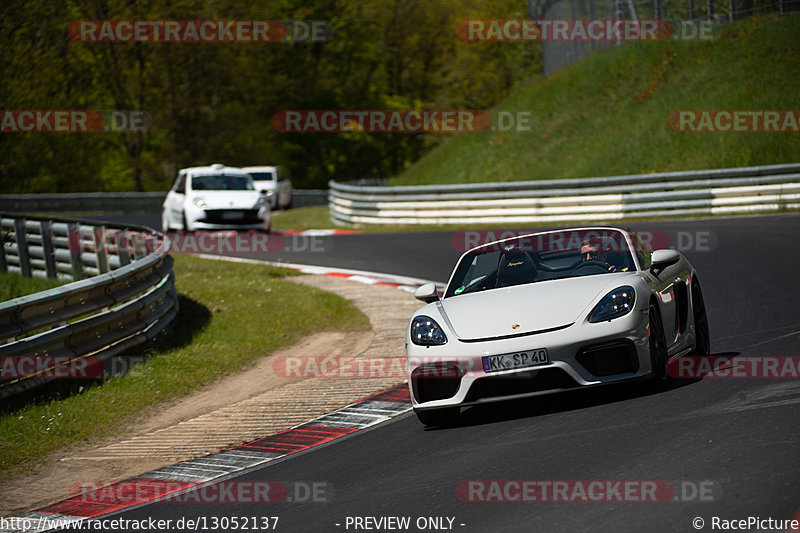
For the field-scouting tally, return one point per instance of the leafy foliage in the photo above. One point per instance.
(214, 102)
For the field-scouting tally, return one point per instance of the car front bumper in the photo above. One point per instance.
(581, 355)
(213, 219)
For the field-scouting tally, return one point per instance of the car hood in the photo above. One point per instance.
(228, 199)
(534, 307)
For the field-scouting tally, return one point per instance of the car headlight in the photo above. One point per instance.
(615, 304)
(261, 200)
(199, 202)
(426, 332)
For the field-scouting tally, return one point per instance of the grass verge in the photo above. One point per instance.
(231, 315)
(607, 115)
(302, 218)
(13, 285)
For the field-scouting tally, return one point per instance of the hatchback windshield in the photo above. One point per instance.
(222, 182)
(263, 176)
(541, 257)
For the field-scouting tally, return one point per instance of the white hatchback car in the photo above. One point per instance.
(278, 188)
(215, 197)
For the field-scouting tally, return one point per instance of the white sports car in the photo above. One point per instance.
(548, 312)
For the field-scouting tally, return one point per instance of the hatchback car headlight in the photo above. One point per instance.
(200, 202)
(615, 304)
(426, 332)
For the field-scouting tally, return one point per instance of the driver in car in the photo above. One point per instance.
(592, 250)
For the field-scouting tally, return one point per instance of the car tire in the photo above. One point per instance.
(659, 354)
(438, 417)
(702, 338)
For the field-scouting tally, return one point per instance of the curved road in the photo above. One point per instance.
(736, 439)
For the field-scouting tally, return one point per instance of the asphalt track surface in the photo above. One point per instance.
(740, 435)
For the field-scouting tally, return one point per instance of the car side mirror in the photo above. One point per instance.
(427, 293)
(661, 259)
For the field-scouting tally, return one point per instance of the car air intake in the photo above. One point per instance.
(609, 358)
(436, 381)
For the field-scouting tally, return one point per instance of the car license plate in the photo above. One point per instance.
(232, 215)
(508, 361)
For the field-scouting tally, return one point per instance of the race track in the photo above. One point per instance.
(739, 436)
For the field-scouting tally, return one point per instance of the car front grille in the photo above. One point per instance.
(545, 379)
(231, 217)
(609, 358)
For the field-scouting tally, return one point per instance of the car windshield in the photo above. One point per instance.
(263, 176)
(222, 182)
(541, 257)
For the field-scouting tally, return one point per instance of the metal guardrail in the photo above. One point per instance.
(98, 202)
(689, 193)
(119, 202)
(128, 298)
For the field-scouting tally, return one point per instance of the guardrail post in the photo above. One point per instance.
(3, 233)
(100, 249)
(22, 247)
(74, 244)
(139, 245)
(47, 246)
(122, 241)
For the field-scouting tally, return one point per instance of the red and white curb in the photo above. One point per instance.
(174, 479)
(318, 232)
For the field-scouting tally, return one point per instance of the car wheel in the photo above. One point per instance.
(702, 339)
(438, 417)
(658, 345)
